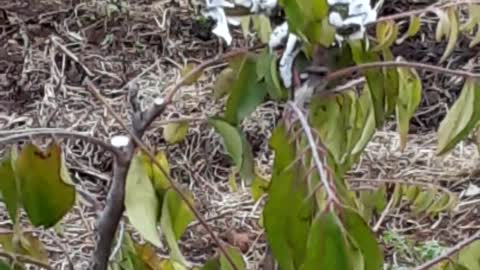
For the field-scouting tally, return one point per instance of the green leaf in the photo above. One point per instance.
(365, 121)
(246, 94)
(327, 117)
(237, 146)
(414, 26)
(409, 97)
(327, 36)
(194, 77)
(374, 80)
(261, 24)
(232, 181)
(440, 204)
(387, 33)
(326, 245)
(460, 119)
(373, 200)
(397, 195)
(411, 192)
(174, 220)
(475, 40)
(223, 83)
(141, 203)
(236, 256)
(443, 26)
(4, 266)
(8, 187)
(247, 168)
(232, 139)
(453, 35)
(259, 187)
(473, 18)
(45, 196)
(365, 239)
(212, 264)
(245, 24)
(423, 201)
(25, 244)
(286, 216)
(275, 89)
(175, 132)
(391, 83)
(148, 255)
(263, 64)
(469, 256)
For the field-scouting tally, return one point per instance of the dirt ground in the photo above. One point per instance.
(47, 48)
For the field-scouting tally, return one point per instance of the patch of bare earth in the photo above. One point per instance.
(47, 48)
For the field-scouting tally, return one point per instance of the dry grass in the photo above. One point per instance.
(41, 86)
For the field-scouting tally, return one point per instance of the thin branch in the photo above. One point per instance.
(423, 10)
(383, 215)
(24, 259)
(118, 246)
(118, 196)
(311, 141)
(112, 214)
(373, 65)
(22, 135)
(203, 65)
(450, 252)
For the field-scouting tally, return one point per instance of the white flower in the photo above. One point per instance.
(278, 36)
(215, 10)
(221, 26)
(286, 62)
(360, 13)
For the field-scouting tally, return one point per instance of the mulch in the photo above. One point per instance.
(47, 48)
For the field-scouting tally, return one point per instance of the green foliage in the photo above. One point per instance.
(175, 132)
(150, 201)
(414, 26)
(364, 239)
(221, 262)
(286, 215)
(409, 97)
(246, 93)
(461, 119)
(326, 246)
(174, 220)
(141, 202)
(24, 244)
(8, 187)
(237, 146)
(45, 192)
(259, 186)
(4, 265)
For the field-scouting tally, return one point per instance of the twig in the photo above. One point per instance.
(383, 215)
(145, 149)
(24, 259)
(60, 245)
(112, 214)
(449, 252)
(311, 141)
(119, 241)
(349, 70)
(22, 135)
